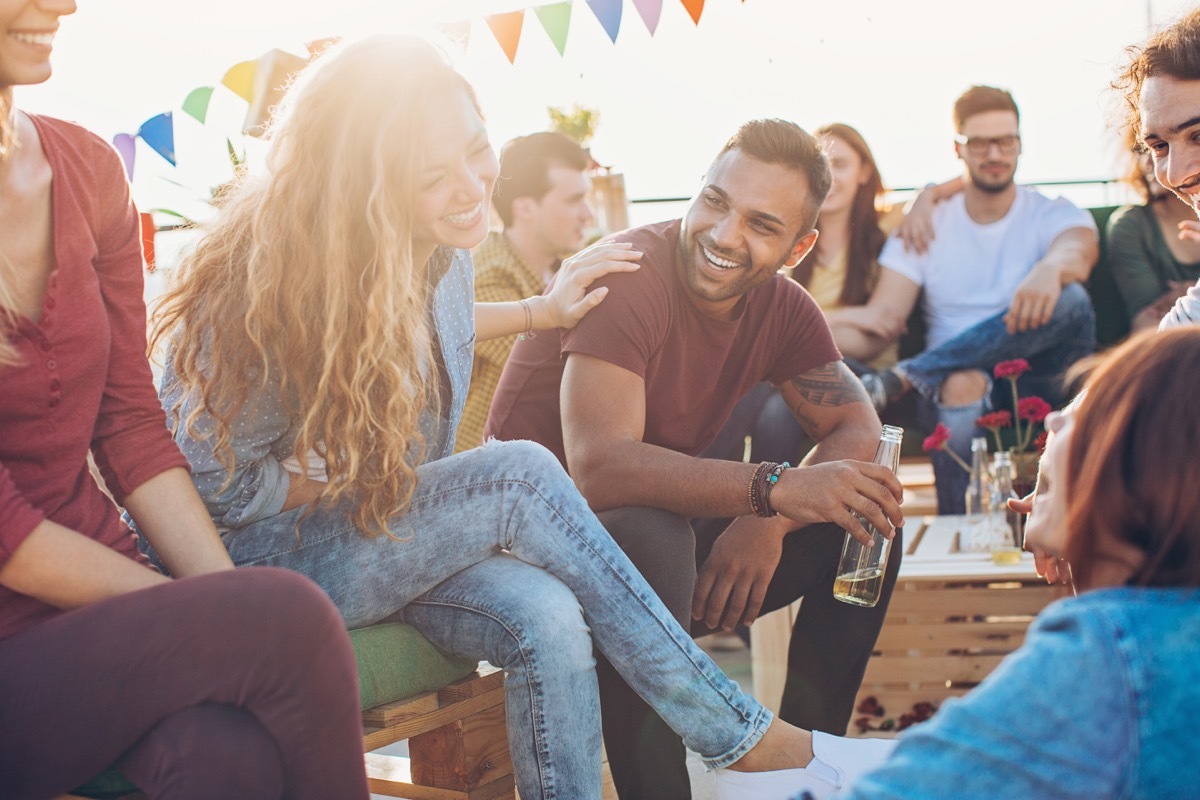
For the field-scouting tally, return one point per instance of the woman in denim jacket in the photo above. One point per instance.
(1099, 701)
(320, 347)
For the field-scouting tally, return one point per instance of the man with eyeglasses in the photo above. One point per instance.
(1001, 279)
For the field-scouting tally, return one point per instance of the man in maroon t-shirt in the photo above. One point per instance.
(629, 399)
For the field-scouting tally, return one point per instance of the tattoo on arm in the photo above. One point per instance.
(831, 385)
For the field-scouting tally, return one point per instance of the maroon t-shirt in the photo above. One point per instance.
(695, 368)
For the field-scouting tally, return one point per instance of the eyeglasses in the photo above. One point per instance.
(982, 145)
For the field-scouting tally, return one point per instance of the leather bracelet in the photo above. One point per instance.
(772, 478)
(754, 492)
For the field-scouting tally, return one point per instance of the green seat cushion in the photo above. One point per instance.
(395, 662)
(107, 784)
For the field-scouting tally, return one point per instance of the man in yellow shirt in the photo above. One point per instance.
(542, 199)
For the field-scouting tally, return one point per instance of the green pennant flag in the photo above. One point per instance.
(196, 104)
(556, 19)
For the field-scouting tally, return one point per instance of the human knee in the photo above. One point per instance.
(963, 388)
(520, 457)
(210, 750)
(549, 623)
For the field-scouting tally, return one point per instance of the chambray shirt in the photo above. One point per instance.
(1100, 702)
(263, 435)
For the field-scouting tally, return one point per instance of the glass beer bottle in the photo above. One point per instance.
(860, 572)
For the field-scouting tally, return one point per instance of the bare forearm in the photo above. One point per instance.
(1071, 256)
(633, 473)
(493, 320)
(855, 439)
(66, 569)
(855, 342)
(172, 517)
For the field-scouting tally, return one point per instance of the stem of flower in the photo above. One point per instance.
(956, 457)
(999, 441)
(1017, 413)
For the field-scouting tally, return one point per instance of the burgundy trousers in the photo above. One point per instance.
(232, 685)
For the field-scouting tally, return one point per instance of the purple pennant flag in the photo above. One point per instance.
(609, 14)
(127, 146)
(649, 11)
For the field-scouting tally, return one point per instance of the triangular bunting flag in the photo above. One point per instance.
(127, 146)
(196, 104)
(649, 11)
(240, 79)
(694, 9)
(507, 30)
(609, 14)
(159, 133)
(458, 32)
(556, 19)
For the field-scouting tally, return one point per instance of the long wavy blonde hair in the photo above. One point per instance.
(307, 276)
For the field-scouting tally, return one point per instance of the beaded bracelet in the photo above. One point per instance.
(529, 332)
(772, 479)
(766, 475)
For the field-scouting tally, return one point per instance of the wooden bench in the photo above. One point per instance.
(450, 711)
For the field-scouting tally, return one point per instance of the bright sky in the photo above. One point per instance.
(667, 102)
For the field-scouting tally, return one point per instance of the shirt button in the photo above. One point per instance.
(55, 385)
(52, 364)
(49, 302)
(54, 401)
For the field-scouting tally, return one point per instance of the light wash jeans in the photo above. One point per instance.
(1050, 350)
(503, 560)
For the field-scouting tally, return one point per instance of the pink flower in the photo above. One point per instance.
(937, 440)
(1011, 369)
(995, 419)
(1033, 409)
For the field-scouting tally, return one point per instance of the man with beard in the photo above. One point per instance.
(630, 398)
(1002, 279)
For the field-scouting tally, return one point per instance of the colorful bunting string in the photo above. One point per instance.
(556, 20)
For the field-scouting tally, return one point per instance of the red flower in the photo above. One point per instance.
(995, 419)
(1040, 442)
(937, 440)
(1011, 369)
(1033, 409)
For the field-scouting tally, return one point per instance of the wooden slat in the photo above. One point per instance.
(484, 680)
(375, 738)
(390, 714)
(1027, 600)
(941, 636)
(391, 776)
(885, 669)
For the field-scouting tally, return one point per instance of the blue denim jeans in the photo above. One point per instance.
(500, 558)
(1050, 350)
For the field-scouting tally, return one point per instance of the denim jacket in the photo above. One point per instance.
(1100, 702)
(263, 435)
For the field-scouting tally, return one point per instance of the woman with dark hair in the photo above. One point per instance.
(1097, 702)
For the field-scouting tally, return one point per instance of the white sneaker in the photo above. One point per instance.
(837, 765)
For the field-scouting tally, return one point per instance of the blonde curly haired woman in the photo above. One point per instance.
(320, 348)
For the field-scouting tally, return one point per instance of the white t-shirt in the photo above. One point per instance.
(971, 271)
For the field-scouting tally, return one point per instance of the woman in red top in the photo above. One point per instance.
(215, 685)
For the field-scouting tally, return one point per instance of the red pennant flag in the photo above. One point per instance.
(507, 30)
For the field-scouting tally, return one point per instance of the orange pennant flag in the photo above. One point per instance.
(694, 9)
(507, 30)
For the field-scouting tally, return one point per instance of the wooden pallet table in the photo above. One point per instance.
(952, 619)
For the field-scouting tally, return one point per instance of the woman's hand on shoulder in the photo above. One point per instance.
(569, 300)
